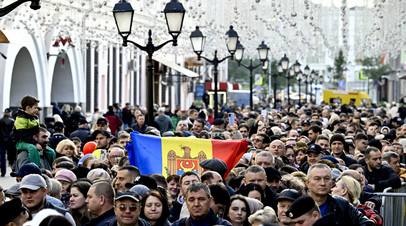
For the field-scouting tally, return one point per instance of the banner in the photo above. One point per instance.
(176, 155)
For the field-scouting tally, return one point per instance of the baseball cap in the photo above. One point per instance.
(315, 148)
(8, 110)
(288, 194)
(218, 121)
(144, 180)
(33, 182)
(305, 122)
(26, 169)
(82, 121)
(59, 125)
(104, 132)
(102, 121)
(397, 119)
(127, 195)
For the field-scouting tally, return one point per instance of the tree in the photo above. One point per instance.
(373, 68)
(340, 66)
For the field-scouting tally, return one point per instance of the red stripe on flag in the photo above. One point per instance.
(230, 151)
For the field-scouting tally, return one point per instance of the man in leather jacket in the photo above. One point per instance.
(339, 210)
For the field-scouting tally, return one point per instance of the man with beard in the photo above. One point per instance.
(33, 193)
(379, 176)
(47, 155)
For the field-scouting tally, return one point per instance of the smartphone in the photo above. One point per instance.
(231, 119)
(264, 113)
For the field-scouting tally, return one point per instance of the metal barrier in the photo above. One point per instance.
(393, 209)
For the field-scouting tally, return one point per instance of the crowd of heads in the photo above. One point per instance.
(296, 159)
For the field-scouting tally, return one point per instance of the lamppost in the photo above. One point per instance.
(265, 66)
(263, 56)
(313, 77)
(306, 77)
(198, 40)
(34, 5)
(299, 79)
(174, 14)
(282, 69)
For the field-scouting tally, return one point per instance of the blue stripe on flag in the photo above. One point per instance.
(145, 152)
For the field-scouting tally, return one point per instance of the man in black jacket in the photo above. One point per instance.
(100, 202)
(319, 181)
(6, 141)
(379, 177)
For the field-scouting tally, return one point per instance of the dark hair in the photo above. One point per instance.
(132, 170)
(315, 129)
(369, 150)
(160, 180)
(247, 208)
(28, 101)
(165, 207)
(83, 186)
(245, 190)
(55, 220)
(267, 139)
(220, 194)
(188, 173)
(360, 136)
(173, 177)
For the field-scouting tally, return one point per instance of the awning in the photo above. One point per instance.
(175, 67)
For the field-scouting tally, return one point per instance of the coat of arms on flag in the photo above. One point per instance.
(176, 155)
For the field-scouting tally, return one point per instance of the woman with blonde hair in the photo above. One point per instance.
(67, 148)
(350, 189)
(264, 216)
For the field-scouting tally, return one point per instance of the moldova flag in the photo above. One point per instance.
(176, 155)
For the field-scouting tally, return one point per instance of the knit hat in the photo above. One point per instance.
(301, 206)
(214, 164)
(337, 137)
(65, 175)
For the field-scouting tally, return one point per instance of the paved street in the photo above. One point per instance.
(7, 181)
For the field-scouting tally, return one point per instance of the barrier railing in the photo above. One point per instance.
(393, 209)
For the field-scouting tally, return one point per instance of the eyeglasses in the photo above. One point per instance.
(257, 140)
(123, 207)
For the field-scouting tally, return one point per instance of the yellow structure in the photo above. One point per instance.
(346, 97)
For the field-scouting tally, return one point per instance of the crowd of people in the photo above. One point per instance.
(307, 165)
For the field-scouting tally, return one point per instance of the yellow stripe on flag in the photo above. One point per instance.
(180, 155)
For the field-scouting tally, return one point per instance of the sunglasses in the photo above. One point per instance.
(123, 207)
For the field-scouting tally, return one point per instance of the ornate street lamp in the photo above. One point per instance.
(35, 5)
(299, 79)
(198, 40)
(306, 77)
(174, 15)
(263, 56)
